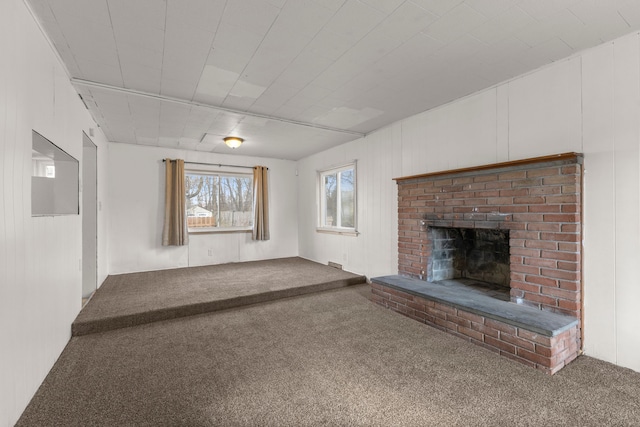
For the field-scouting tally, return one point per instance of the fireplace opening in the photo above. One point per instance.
(481, 255)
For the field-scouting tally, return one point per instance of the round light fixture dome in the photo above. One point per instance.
(233, 141)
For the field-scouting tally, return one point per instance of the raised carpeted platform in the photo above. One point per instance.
(137, 298)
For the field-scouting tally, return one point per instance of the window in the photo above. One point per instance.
(338, 199)
(218, 201)
(54, 179)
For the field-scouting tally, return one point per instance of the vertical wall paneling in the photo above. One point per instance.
(40, 277)
(599, 197)
(502, 123)
(627, 191)
(545, 111)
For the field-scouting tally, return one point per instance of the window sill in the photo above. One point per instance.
(220, 230)
(342, 232)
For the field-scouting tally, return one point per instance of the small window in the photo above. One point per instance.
(338, 199)
(54, 179)
(218, 201)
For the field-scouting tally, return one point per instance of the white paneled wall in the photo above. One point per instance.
(40, 277)
(588, 103)
(374, 251)
(136, 194)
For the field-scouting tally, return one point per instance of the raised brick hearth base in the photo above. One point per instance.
(536, 206)
(548, 351)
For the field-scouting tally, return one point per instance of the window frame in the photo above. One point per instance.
(218, 229)
(321, 226)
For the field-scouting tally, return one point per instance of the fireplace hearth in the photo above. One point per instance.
(515, 226)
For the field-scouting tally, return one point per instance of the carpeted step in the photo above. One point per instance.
(87, 323)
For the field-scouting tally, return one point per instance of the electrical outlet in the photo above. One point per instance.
(210, 252)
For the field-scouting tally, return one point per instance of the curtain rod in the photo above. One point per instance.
(216, 164)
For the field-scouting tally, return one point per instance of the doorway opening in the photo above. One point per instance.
(89, 218)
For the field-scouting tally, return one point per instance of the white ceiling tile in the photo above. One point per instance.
(290, 112)
(145, 140)
(70, 61)
(234, 37)
(238, 103)
(144, 38)
(228, 59)
(503, 25)
(188, 143)
(200, 14)
(406, 21)
(93, 44)
(631, 13)
(297, 102)
(354, 20)
(333, 5)
(329, 44)
(544, 53)
(254, 15)
(177, 88)
(169, 141)
(262, 71)
(140, 77)
(198, 41)
(536, 34)
(117, 101)
(368, 50)
(140, 56)
(85, 13)
(303, 17)
(456, 23)
(502, 50)
(99, 72)
(419, 46)
(216, 82)
(143, 13)
(464, 49)
(336, 75)
(542, 9)
(492, 7)
(499, 71)
(610, 25)
(275, 96)
(245, 89)
(42, 10)
(280, 46)
(303, 70)
(439, 7)
(384, 6)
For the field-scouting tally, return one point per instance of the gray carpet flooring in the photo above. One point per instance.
(136, 298)
(331, 358)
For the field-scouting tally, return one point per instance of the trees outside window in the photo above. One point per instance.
(338, 198)
(218, 201)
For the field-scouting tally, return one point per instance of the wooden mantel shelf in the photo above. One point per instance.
(513, 163)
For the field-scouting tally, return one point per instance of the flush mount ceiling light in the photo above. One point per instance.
(233, 141)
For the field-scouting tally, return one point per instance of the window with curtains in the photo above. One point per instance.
(218, 201)
(337, 193)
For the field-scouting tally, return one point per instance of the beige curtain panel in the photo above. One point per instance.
(260, 203)
(174, 232)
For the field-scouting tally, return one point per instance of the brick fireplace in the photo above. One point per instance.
(515, 226)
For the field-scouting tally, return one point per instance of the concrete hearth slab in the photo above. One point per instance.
(456, 294)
